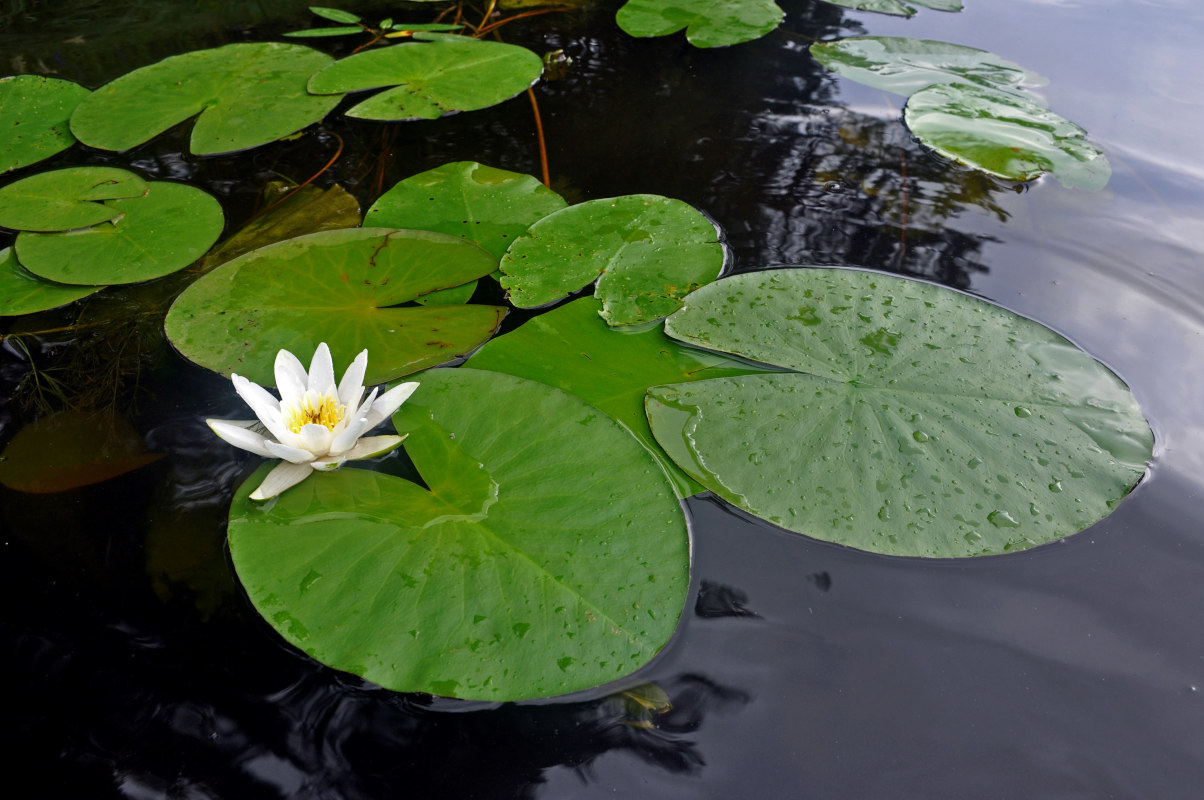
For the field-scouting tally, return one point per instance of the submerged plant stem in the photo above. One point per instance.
(543, 147)
(308, 181)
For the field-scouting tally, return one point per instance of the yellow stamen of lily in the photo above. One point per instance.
(320, 409)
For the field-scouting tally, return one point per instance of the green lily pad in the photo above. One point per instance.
(440, 75)
(916, 420)
(646, 252)
(71, 449)
(897, 8)
(572, 349)
(67, 198)
(340, 287)
(246, 94)
(487, 206)
(154, 235)
(1005, 135)
(708, 23)
(902, 65)
(24, 293)
(523, 571)
(35, 110)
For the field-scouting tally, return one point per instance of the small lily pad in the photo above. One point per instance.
(897, 8)
(437, 76)
(344, 287)
(1006, 135)
(520, 570)
(22, 292)
(67, 198)
(708, 23)
(154, 235)
(914, 420)
(35, 110)
(646, 252)
(246, 94)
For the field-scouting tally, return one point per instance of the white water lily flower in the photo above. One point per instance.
(314, 425)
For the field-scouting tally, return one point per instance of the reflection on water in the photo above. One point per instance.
(137, 667)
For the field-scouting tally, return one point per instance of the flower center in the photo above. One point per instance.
(319, 409)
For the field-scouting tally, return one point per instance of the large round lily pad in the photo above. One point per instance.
(35, 110)
(1005, 134)
(24, 293)
(432, 78)
(67, 198)
(708, 23)
(246, 94)
(341, 287)
(152, 236)
(523, 571)
(917, 420)
(646, 252)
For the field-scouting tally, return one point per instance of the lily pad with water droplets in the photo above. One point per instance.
(343, 287)
(246, 95)
(646, 252)
(35, 110)
(523, 571)
(915, 420)
(433, 77)
(708, 23)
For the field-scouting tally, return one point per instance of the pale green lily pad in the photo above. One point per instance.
(916, 420)
(35, 110)
(897, 8)
(342, 287)
(154, 235)
(523, 571)
(246, 94)
(22, 292)
(571, 348)
(902, 65)
(708, 23)
(646, 252)
(67, 198)
(437, 76)
(1005, 135)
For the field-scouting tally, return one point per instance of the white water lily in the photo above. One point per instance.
(314, 425)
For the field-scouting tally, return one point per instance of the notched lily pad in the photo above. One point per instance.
(35, 110)
(646, 252)
(438, 75)
(22, 292)
(708, 23)
(67, 198)
(915, 420)
(523, 571)
(344, 287)
(246, 94)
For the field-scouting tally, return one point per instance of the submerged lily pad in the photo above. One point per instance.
(901, 65)
(67, 198)
(646, 252)
(915, 420)
(1005, 135)
(35, 110)
(523, 571)
(246, 94)
(708, 23)
(154, 235)
(897, 8)
(341, 287)
(22, 292)
(571, 348)
(440, 75)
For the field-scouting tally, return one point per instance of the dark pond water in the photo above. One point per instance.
(133, 666)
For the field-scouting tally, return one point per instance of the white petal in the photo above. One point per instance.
(321, 371)
(291, 379)
(315, 438)
(351, 388)
(328, 464)
(371, 446)
(261, 401)
(345, 439)
(283, 476)
(389, 402)
(235, 432)
(296, 455)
